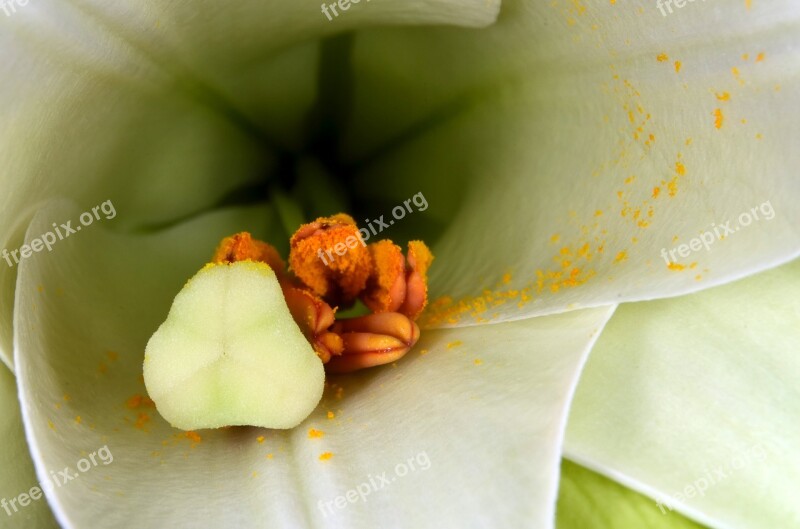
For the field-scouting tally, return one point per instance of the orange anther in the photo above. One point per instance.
(373, 340)
(331, 259)
(242, 247)
(314, 317)
(419, 260)
(386, 286)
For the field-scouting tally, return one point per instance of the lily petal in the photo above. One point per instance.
(85, 116)
(434, 407)
(565, 151)
(18, 476)
(700, 392)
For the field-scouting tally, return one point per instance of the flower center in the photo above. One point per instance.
(387, 284)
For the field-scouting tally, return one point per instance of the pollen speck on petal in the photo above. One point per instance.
(315, 434)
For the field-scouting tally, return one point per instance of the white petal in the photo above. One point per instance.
(701, 391)
(161, 107)
(536, 151)
(86, 116)
(434, 411)
(17, 476)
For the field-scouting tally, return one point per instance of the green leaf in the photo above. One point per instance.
(587, 499)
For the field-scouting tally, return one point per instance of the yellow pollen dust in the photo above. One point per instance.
(315, 434)
(139, 401)
(718, 118)
(142, 420)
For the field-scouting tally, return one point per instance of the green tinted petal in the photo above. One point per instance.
(18, 475)
(694, 401)
(163, 108)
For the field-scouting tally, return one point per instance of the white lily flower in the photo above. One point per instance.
(570, 156)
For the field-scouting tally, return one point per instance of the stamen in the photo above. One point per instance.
(314, 317)
(386, 286)
(419, 260)
(392, 286)
(373, 340)
(331, 259)
(242, 247)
